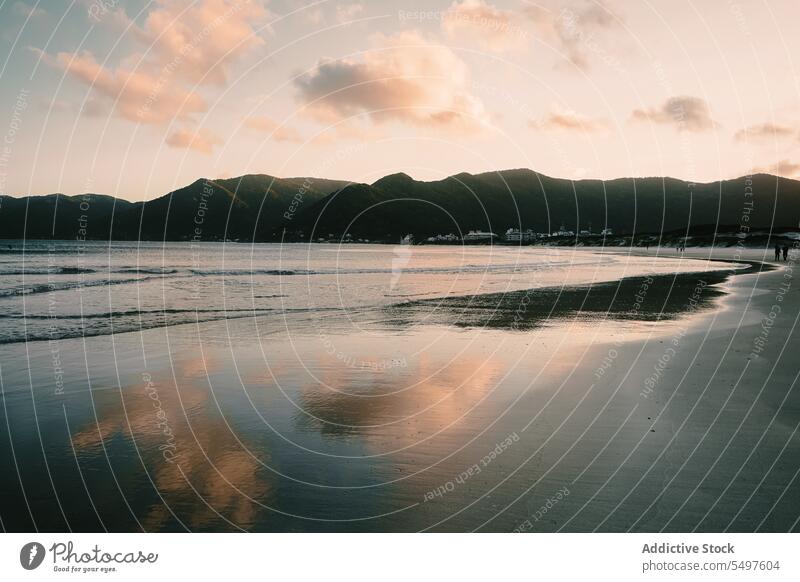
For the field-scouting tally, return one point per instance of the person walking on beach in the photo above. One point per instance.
(785, 252)
(777, 252)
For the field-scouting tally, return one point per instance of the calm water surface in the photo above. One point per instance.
(270, 388)
(64, 289)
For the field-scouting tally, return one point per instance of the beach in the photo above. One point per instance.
(664, 403)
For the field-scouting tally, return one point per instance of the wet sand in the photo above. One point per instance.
(643, 298)
(468, 416)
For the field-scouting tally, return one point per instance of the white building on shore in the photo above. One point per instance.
(517, 235)
(479, 236)
(563, 232)
(442, 238)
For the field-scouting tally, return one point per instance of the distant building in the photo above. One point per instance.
(442, 238)
(563, 232)
(479, 236)
(517, 235)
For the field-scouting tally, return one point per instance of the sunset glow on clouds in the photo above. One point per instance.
(202, 141)
(683, 113)
(136, 95)
(493, 28)
(134, 98)
(187, 44)
(406, 78)
(568, 120)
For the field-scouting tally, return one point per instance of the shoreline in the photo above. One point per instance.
(637, 297)
(726, 347)
(563, 300)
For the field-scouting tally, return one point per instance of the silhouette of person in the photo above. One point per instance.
(785, 252)
(777, 252)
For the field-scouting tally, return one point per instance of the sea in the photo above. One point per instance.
(235, 387)
(64, 289)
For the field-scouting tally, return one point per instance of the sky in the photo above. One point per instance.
(135, 98)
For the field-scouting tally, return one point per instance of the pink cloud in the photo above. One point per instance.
(683, 112)
(199, 40)
(569, 120)
(189, 43)
(202, 141)
(577, 29)
(764, 131)
(494, 29)
(405, 78)
(137, 95)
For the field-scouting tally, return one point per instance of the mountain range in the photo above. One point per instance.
(265, 208)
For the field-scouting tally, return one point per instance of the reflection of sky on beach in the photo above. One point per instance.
(194, 461)
(302, 434)
(324, 421)
(331, 429)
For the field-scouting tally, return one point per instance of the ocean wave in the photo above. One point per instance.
(269, 272)
(47, 328)
(147, 270)
(43, 250)
(501, 268)
(107, 326)
(31, 271)
(131, 313)
(248, 272)
(52, 286)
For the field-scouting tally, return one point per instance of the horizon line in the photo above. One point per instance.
(350, 182)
